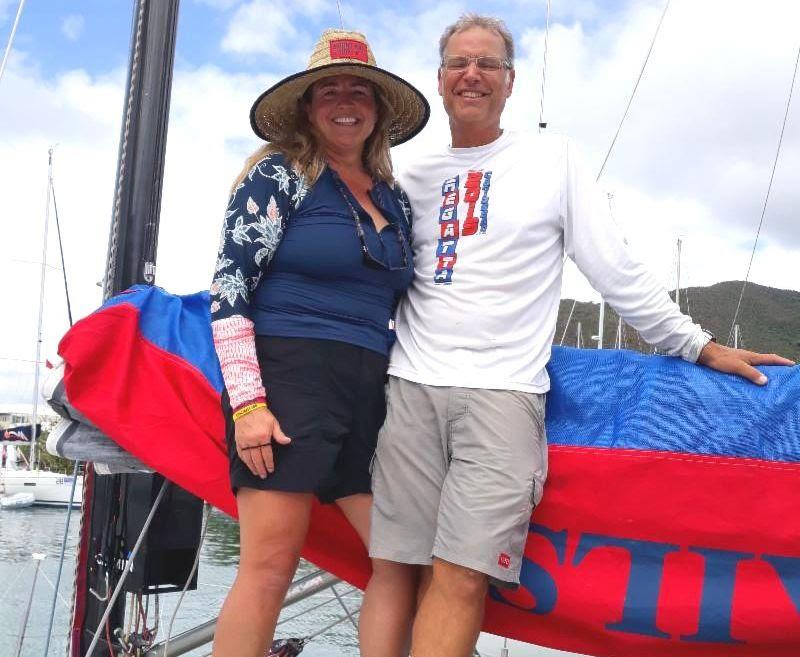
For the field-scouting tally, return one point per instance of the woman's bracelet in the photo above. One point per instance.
(244, 410)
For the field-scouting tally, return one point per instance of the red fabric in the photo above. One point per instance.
(162, 410)
(684, 500)
(165, 412)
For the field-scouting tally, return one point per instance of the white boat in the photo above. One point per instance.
(48, 488)
(17, 501)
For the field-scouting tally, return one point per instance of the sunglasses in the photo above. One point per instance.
(483, 62)
(367, 258)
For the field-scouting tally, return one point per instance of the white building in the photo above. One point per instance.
(12, 415)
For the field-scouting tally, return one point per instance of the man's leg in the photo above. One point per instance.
(408, 471)
(497, 466)
(451, 612)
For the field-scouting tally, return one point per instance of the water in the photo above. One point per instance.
(40, 529)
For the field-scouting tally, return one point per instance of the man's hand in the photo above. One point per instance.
(739, 361)
(254, 434)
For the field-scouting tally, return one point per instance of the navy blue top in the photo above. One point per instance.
(291, 260)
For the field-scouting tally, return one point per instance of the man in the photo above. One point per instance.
(462, 457)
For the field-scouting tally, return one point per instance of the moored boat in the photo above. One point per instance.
(17, 501)
(47, 488)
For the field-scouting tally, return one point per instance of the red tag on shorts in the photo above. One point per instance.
(349, 49)
(504, 561)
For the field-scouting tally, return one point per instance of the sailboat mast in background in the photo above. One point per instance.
(42, 276)
(678, 276)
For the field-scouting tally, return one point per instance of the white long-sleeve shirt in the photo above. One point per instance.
(491, 226)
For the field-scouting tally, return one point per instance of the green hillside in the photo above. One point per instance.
(769, 319)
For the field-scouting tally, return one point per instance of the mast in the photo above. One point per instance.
(131, 259)
(601, 320)
(35, 417)
(678, 277)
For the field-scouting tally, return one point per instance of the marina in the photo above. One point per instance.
(40, 530)
(220, 553)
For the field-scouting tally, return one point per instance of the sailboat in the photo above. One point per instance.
(610, 545)
(47, 488)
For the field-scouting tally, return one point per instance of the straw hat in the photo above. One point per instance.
(340, 53)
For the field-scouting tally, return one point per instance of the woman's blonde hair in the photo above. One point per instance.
(305, 155)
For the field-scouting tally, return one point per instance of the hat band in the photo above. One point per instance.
(348, 49)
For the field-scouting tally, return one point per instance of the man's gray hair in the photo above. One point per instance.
(467, 21)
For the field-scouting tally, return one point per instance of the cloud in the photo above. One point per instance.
(701, 133)
(221, 5)
(262, 27)
(81, 113)
(72, 26)
(693, 159)
(6, 8)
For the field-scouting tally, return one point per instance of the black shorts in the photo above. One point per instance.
(329, 399)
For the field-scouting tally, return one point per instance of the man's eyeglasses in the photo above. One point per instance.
(483, 62)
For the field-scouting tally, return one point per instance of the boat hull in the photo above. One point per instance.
(48, 488)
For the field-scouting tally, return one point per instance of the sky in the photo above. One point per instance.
(693, 160)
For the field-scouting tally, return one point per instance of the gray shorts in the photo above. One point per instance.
(456, 475)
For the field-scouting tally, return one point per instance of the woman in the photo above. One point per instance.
(314, 253)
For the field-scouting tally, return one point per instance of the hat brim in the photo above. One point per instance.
(270, 112)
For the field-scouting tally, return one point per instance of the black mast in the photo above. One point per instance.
(111, 502)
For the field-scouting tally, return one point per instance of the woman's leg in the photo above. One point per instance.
(273, 527)
(356, 509)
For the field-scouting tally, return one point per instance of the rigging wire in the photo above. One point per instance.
(622, 121)
(11, 38)
(20, 573)
(542, 123)
(344, 606)
(61, 250)
(635, 87)
(766, 199)
(566, 325)
(42, 277)
(23, 360)
(127, 568)
(113, 243)
(686, 293)
(55, 590)
(76, 467)
(341, 619)
(310, 609)
(341, 20)
(38, 558)
(188, 579)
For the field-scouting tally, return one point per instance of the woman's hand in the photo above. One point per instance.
(254, 434)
